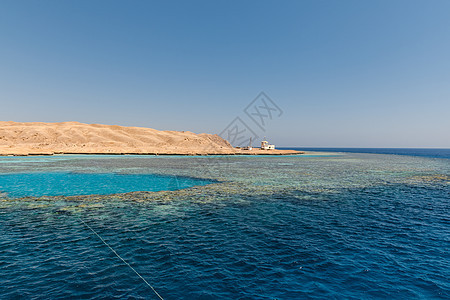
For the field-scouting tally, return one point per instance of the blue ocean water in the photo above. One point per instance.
(69, 184)
(423, 152)
(353, 226)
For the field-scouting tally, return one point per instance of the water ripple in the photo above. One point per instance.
(379, 230)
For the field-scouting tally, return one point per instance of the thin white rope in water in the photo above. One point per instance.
(114, 251)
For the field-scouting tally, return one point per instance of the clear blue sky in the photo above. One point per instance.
(345, 73)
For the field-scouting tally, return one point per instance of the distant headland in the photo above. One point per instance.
(37, 138)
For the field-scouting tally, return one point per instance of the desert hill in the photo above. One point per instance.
(36, 138)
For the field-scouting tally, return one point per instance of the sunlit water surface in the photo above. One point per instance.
(16, 185)
(347, 226)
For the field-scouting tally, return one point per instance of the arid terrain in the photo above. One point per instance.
(36, 138)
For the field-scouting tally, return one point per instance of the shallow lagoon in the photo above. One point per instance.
(347, 226)
(17, 185)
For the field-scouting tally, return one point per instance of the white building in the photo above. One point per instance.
(265, 146)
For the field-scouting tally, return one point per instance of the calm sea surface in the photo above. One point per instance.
(347, 226)
(424, 152)
(15, 185)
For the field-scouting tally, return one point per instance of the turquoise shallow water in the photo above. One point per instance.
(353, 226)
(18, 185)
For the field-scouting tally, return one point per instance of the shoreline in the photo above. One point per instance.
(46, 139)
(241, 152)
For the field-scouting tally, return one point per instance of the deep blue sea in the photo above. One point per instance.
(424, 152)
(345, 226)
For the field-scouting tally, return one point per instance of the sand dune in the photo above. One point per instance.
(77, 138)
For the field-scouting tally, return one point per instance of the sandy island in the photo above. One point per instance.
(36, 138)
